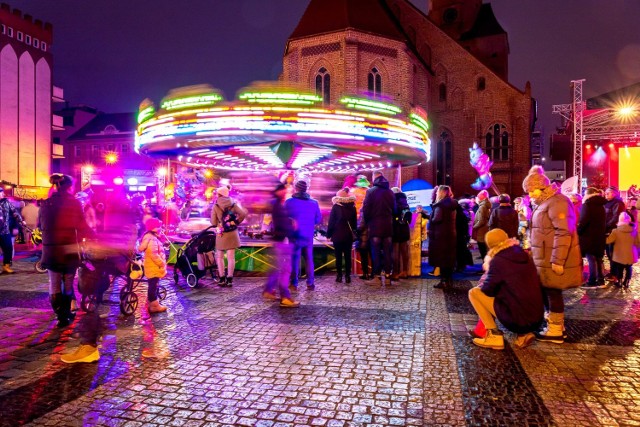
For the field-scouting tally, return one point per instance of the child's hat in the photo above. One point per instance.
(152, 224)
(624, 219)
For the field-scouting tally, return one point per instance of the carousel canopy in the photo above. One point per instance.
(270, 127)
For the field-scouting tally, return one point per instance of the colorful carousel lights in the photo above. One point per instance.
(274, 128)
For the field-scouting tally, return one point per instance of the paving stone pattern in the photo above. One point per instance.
(351, 355)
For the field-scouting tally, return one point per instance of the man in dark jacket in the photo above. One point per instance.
(592, 235)
(509, 290)
(613, 208)
(401, 235)
(282, 232)
(8, 212)
(378, 209)
(505, 217)
(442, 235)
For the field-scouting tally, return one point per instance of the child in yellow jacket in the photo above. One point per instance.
(155, 262)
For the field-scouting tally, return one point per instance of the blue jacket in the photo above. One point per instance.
(305, 211)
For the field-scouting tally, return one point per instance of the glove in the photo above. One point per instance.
(558, 269)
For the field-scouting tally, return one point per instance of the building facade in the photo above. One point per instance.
(26, 96)
(451, 62)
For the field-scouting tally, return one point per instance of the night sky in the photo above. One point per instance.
(111, 54)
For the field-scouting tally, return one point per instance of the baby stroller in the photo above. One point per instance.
(98, 271)
(195, 258)
(36, 240)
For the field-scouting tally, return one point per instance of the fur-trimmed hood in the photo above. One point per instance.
(342, 200)
(496, 250)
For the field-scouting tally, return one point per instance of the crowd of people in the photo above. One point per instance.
(530, 251)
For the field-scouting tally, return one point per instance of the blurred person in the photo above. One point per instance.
(504, 217)
(481, 221)
(282, 233)
(633, 211)
(613, 208)
(401, 235)
(119, 228)
(626, 243)
(341, 231)
(185, 212)
(442, 236)
(305, 213)
(463, 227)
(8, 214)
(592, 235)
(359, 189)
(554, 247)
(87, 209)
(576, 199)
(378, 209)
(100, 217)
(362, 244)
(155, 262)
(509, 291)
(30, 216)
(227, 214)
(521, 205)
(63, 228)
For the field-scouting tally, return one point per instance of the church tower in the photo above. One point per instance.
(454, 17)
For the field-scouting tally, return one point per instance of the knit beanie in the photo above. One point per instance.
(624, 219)
(343, 193)
(301, 186)
(494, 237)
(535, 180)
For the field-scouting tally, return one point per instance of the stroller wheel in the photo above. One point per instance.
(192, 280)
(162, 293)
(89, 303)
(123, 293)
(129, 303)
(38, 267)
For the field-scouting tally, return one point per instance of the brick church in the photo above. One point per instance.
(452, 62)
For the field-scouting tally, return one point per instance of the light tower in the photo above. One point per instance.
(574, 113)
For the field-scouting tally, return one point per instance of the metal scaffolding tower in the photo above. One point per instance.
(574, 113)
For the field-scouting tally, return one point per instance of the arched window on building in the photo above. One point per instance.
(374, 82)
(442, 92)
(444, 159)
(323, 85)
(497, 142)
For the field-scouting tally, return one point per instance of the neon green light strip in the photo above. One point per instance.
(280, 98)
(419, 121)
(369, 105)
(191, 101)
(146, 114)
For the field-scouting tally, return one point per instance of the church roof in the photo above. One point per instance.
(486, 24)
(328, 16)
(106, 126)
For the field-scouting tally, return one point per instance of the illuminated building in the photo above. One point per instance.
(451, 63)
(26, 96)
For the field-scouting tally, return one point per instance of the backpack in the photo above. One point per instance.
(229, 219)
(405, 214)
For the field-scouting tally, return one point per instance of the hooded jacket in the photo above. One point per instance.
(613, 208)
(592, 226)
(378, 208)
(305, 211)
(155, 260)
(626, 243)
(554, 240)
(401, 229)
(342, 220)
(481, 221)
(228, 239)
(513, 281)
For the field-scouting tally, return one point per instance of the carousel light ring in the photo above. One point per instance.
(279, 130)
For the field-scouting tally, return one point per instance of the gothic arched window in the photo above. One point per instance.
(444, 159)
(374, 82)
(497, 142)
(323, 85)
(442, 92)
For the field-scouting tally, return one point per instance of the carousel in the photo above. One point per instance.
(273, 131)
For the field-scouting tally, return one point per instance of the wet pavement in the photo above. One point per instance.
(351, 355)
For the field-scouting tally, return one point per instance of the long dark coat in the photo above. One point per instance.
(342, 220)
(442, 234)
(401, 232)
(592, 226)
(63, 226)
(505, 218)
(378, 208)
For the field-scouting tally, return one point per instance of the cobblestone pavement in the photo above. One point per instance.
(351, 355)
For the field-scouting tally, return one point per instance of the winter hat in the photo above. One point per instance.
(343, 193)
(223, 191)
(536, 180)
(494, 237)
(362, 182)
(279, 187)
(504, 198)
(152, 223)
(624, 219)
(301, 186)
(612, 188)
(395, 190)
